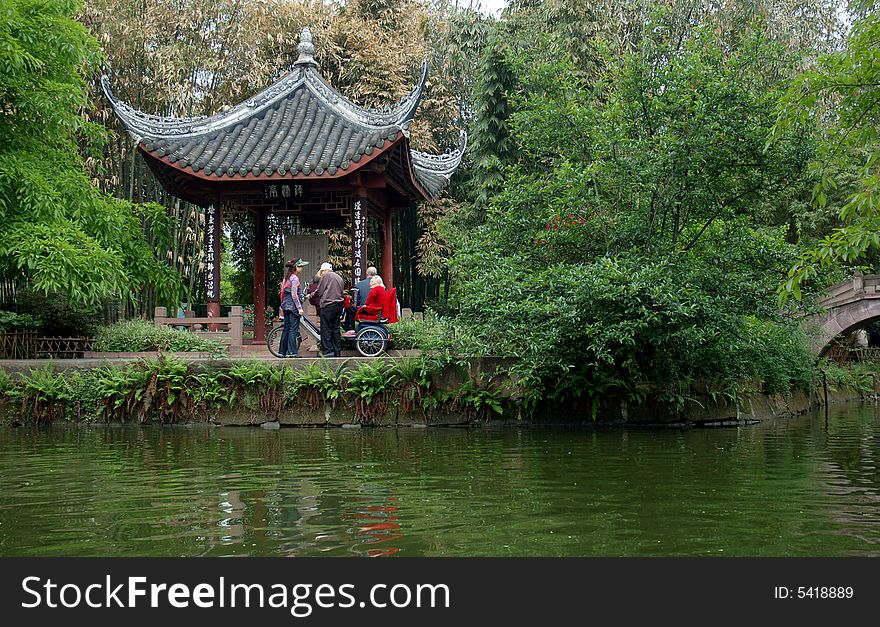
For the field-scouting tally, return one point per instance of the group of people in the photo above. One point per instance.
(327, 295)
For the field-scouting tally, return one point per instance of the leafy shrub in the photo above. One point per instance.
(43, 394)
(774, 353)
(11, 321)
(5, 383)
(167, 388)
(369, 386)
(414, 379)
(159, 388)
(315, 384)
(55, 316)
(858, 376)
(140, 335)
(85, 391)
(610, 326)
(415, 333)
(121, 390)
(251, 373)
(431, 333)
(477, 401)
(210, 390)
(259, 384)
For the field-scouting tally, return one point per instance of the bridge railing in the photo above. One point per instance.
(858, 286)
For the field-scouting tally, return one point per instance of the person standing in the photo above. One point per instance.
(310, 291)
(363, 286)
(329, 295)
(292, 306)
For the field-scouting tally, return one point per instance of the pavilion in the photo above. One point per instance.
(297, 148)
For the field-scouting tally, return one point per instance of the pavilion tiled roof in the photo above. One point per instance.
(300, 126)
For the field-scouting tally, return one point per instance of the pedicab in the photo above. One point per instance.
(370, 335)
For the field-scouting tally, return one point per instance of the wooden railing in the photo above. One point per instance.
(27, 345)
(209, 326)
(64, 347)
(18, 345)
(846, 354)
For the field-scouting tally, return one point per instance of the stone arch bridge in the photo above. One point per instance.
(847, 306)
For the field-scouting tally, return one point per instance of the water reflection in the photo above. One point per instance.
(790, 487)
(377, 524)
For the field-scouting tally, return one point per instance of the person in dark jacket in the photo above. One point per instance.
(363, 286)
(363, 290)
(310, 291)
(329, 296)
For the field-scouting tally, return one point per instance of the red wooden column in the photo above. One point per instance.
(261, 234)
(388, 249)
(213, 230)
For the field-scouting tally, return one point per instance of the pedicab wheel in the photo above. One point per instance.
(370, 342)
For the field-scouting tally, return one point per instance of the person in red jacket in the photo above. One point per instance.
(377, 296)
(375, 305)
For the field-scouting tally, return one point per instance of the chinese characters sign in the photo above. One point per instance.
(286, 191)
(358, 242)
(212, 256)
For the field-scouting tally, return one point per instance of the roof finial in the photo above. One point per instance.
(306, 49)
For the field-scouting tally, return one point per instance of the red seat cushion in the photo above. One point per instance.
(368, 314)
(390, 308)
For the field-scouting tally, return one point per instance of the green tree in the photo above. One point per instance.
(58, 232)
(491, 145)
(632, 240)
(841, 100)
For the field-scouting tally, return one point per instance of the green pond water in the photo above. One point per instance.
(788, 487)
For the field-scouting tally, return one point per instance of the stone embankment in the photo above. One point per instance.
(477, 392)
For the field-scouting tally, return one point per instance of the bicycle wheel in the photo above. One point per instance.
(273, 340)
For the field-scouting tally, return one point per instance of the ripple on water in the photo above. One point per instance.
(791, 487)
